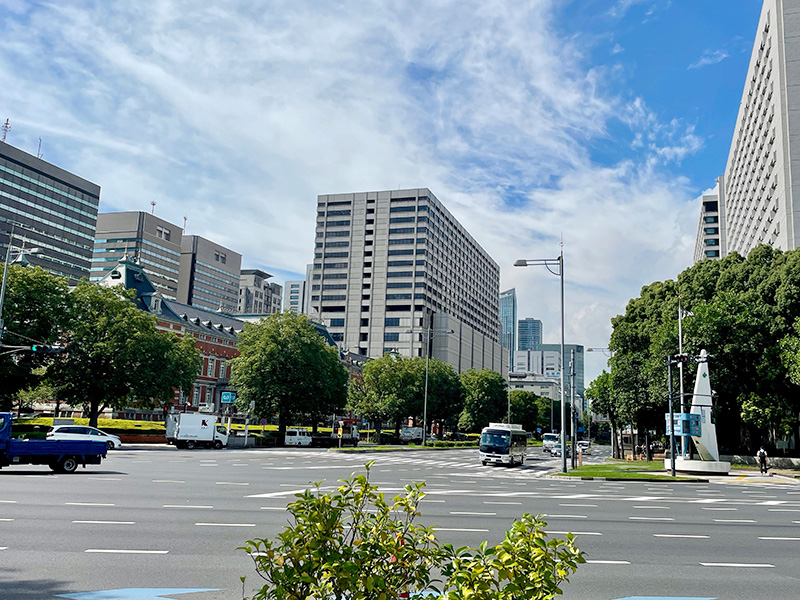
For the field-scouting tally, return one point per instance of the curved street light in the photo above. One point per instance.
(558, 264)
(429, 333)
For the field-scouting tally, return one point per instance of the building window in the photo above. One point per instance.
(712, 253)
(391, 322)
(711, 219)
(163, 233)
(391, 337)
(337, 322)
(337, 337)
(711, 230)
(712, 242)
(210, 367)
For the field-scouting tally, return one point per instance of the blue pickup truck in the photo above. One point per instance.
(62, 456)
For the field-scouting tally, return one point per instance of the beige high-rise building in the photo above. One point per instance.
(391, 265)
(762, 175)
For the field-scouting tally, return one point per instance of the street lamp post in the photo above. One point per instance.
(549, 263)
(429, 333)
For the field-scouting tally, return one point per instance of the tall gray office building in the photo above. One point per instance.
(154, 242)
(56, 212)
(389, 265)
(762, 174)
(508, 320)
(529, 333)
(209, 275)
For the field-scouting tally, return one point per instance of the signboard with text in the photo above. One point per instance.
(227, 397)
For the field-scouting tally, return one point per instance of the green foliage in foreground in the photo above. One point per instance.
(351, 543)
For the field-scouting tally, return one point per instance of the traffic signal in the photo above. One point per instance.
(681, 359)
(45, 349)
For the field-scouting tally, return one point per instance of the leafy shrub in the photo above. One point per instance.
(350, 544)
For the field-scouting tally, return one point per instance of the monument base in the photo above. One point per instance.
(698, 467)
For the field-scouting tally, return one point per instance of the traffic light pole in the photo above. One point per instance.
(671, 418)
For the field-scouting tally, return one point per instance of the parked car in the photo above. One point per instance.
(83, 432)
(585, 446)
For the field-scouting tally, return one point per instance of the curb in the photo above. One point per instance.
(632, 479)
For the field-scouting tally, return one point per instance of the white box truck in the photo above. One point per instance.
(193, 430)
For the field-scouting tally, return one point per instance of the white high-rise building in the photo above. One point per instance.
(711, 242)
(390, 265)
(762, 175)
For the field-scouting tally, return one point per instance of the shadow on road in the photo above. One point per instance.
(29, 589)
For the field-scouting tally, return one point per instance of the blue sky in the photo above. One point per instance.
(599, 122)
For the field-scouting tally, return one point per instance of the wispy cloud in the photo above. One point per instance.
(237, 117)
(617, 49)
(710, 57)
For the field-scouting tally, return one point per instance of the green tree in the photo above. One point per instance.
(116, 356)
(485, 399)
(445, 392)
(384, 391)
(524, 409)
(601, 393)
(286, 368)
(35, 311)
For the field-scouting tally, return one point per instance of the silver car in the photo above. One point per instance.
(585, 447)
(83, 432)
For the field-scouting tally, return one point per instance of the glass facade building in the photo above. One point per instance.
(54, 211)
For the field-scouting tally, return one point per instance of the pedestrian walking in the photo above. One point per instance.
(761, 457)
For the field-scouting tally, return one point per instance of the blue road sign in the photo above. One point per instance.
(227, 397)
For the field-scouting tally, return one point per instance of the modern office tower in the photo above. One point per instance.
(579, 351)
(154, 242)
(390, 266)
(508, 320)
(710, 243)
(529, 333)
(257, 296)
(294, 297)
(762, 175)
(55, 211)
(209, 275)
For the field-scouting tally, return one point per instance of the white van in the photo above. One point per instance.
(298, 436)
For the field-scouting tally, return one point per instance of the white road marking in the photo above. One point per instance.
(6, 519)
(567, 516)
(608, 562)
(104, 478)
(3, 547)
(739, 565)
(473, 514)
(575, 532)
(457, 529)
(735, 521)
(186, 506)
(273, 508)
(231, 483)
(784, 539)
(103, 551)
(579, 505)
(107, 522)
(492, 502)
(682, 535)
(8, 501)
(783, 509)
(443, 501)
(717, 508)
(168, 481)
(88, 504)
(226, 524)
(653, 506)
(651, 518)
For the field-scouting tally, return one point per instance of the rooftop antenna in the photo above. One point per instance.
(184, 224)
(153, 204)
(39, 151)
(6, 127)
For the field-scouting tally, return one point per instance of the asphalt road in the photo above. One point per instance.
(167, 518)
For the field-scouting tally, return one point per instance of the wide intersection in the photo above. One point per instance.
(163, 519)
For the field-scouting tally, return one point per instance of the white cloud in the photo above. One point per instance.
(710, 57)
(617, 49)
(237, 117)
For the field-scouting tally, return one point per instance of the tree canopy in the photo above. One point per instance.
(485, 399)
(286, 368)
(116, 356)
(36, 310)
(744, 312)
